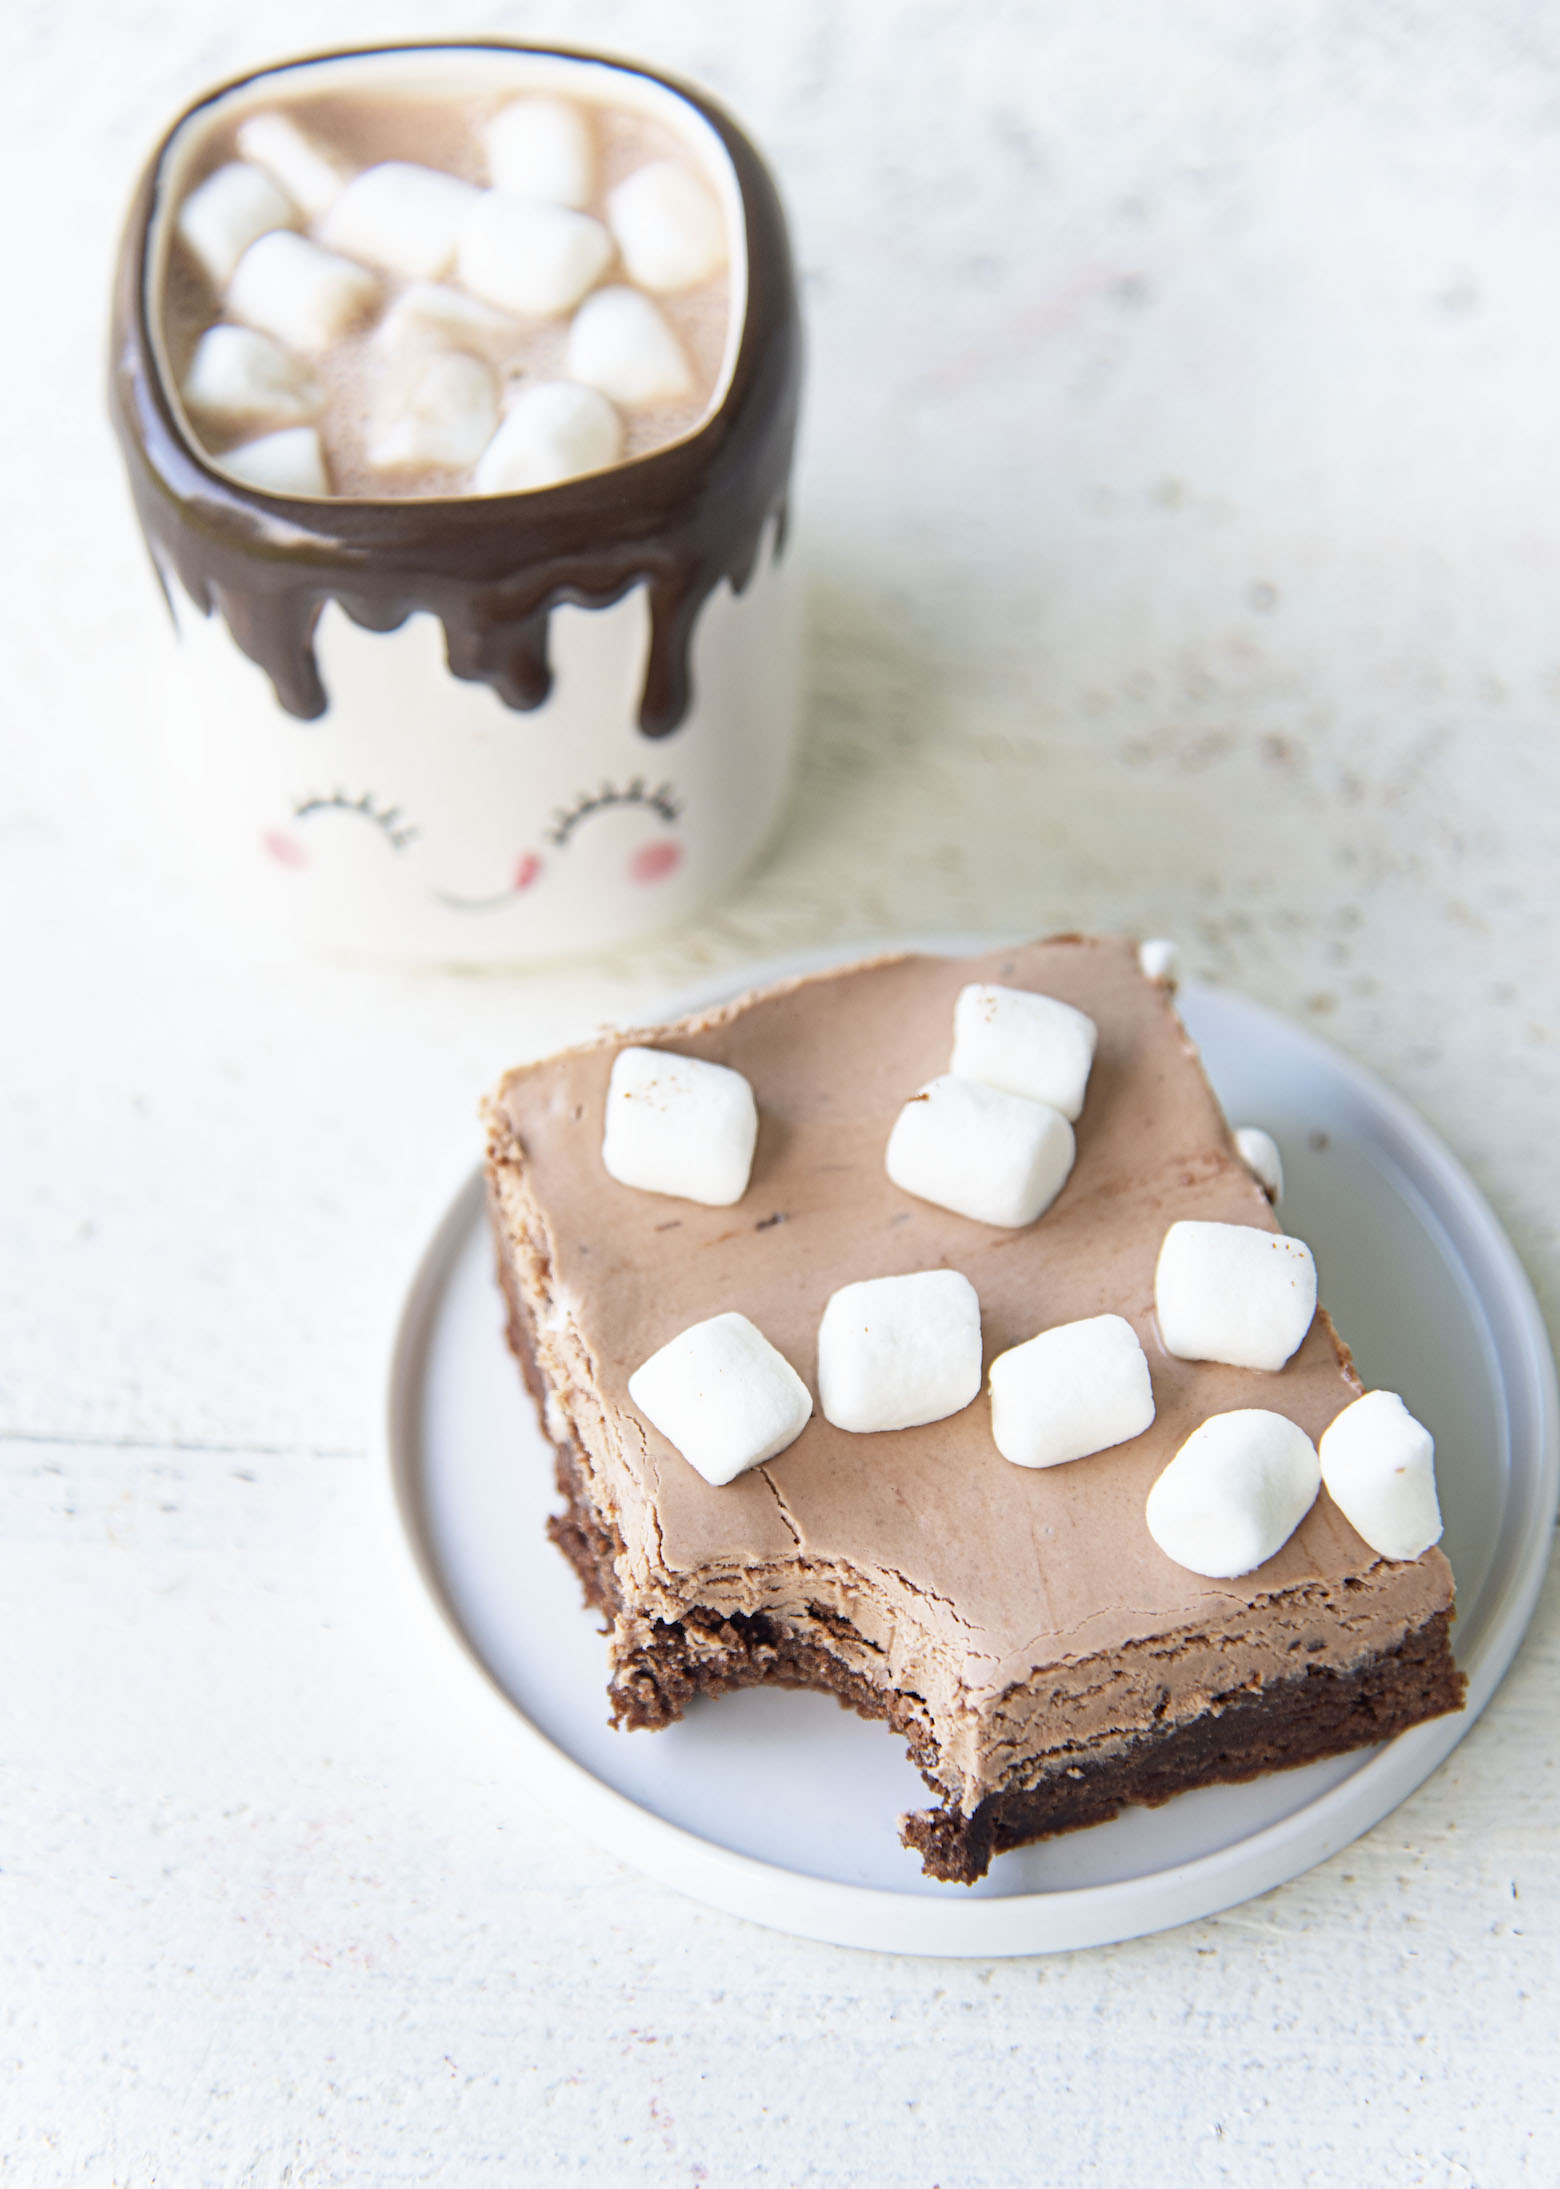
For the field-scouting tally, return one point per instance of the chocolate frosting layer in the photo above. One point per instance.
(1032, 1606)
(491, 568)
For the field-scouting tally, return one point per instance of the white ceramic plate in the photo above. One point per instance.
(782, 1806)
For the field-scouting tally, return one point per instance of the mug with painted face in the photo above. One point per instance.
(457, 387)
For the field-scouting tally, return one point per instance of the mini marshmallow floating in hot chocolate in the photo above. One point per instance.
(433, 311)
(894, 1352)
(541, 148)
(554, 431)
(295, 162)
(1234, 1493)
(289, 462)
(237, 375)
(620, 344)
(288, 287)
(1233, 1293)
(446, 416)
(1378, 1463)
(534, 259)
(1024, 1043)
(999, 1158)
(401, 217)
(1073, 1390)
(228, 212)
(680, 1126)
(1259, 1152)
(723, 1395)
(668, 227)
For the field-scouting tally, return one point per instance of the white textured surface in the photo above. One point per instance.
(1180, 500)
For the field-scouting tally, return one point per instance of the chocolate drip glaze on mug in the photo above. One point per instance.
(492, 567)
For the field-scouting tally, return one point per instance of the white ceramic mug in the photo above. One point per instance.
(349, 788)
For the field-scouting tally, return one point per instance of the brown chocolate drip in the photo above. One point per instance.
(491, 568)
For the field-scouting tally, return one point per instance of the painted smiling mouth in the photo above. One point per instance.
(653, 863)
(453, 903)
(527, 872)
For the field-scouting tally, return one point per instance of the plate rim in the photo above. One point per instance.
(879, 1918)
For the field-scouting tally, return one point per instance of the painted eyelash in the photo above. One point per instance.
(387, 818)
(661, 800)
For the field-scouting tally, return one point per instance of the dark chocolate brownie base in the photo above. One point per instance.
(1320, 1712)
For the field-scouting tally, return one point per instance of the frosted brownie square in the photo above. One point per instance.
(1043, 1659)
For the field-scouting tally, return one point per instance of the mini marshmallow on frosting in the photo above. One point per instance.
(679, 1125)
(1258, 1150)
(1025, 1043)
(992, 1138)
(1074, 1390)
(1159, 959)
(996, 1157)
(1378, 1463)
(724, 1396)
(1234, 1493)
(895, 1352)
(1233, 1293)
(412, 310)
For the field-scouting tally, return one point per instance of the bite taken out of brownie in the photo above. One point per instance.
(1019, 1626)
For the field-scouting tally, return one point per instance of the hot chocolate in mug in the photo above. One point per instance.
(457, 386)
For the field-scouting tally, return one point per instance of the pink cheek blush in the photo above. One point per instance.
(655, 862)
(528, 871)
(285, 850)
